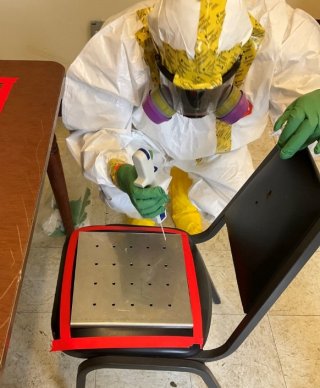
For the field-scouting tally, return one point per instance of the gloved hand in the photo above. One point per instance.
(302, 127)
(149, 201)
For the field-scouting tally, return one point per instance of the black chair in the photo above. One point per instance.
(273, 226)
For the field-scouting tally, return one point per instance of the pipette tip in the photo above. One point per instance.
(164, 235)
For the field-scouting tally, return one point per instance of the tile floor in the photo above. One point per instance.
(283, 351)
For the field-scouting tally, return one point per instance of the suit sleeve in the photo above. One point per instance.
(297, 68)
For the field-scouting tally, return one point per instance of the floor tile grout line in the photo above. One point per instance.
(279, 358)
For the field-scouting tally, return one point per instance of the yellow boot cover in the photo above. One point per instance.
(184, 214)
(140, 221)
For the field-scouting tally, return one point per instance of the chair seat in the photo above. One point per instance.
(126, 288)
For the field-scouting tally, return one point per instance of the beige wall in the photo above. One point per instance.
(50, 29)
(58, 29)
(310, 6)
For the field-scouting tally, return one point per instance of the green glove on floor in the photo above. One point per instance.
(302, 125)
(149, 201)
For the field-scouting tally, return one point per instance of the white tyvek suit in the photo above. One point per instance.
(108, 81)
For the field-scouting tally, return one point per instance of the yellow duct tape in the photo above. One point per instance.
(205, 70)
(145, 41)
(249, 51)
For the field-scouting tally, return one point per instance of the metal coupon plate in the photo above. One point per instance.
(130, 279)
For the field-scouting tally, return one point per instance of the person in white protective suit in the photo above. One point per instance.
(193, 81)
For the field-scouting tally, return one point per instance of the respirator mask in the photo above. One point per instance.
(226, 101)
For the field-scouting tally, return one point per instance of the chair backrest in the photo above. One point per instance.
(273, 225)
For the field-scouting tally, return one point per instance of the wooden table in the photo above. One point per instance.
(30, 95)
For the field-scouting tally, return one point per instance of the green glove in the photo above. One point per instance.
(302, 125)
(149, 201)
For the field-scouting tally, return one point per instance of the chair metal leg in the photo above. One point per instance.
(145, 363)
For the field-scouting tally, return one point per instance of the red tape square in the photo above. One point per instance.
(67, 342)
(6, 84)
